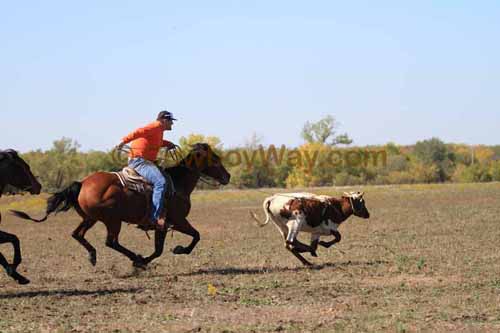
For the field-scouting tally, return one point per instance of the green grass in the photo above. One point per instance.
(426, 260)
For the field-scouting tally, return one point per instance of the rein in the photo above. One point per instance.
(176, 154)
(209, 181)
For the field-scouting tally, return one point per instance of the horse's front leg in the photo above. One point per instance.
(5, 237)
(186, 228)
(11, 269)
(5, 265)
(159, 245)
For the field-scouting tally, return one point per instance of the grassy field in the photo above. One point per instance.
(427, 260)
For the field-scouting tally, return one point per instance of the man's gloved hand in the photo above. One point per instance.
(120, 146)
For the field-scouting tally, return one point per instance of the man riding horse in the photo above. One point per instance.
(145, 144)
(106, 197)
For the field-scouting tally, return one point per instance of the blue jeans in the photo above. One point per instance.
(150, 171)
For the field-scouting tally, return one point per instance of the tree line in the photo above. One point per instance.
(324, 159)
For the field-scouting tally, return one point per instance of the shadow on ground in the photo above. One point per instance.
(70, 292)
(264, 270)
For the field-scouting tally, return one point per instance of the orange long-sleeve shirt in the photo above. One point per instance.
(146, 141)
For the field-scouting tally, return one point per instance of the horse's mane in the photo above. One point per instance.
(181, 167)
(176, 171)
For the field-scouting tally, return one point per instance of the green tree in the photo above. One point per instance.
(213, 141)
(258, 173)
(435, 152)
(324, 132)
(59, 166)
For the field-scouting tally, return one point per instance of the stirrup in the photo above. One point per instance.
(146, 227)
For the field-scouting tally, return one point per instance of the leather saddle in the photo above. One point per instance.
(133, 181)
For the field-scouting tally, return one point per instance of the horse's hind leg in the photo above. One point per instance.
(79, 235)
(114, 228)
(159, 245)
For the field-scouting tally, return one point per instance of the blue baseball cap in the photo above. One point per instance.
(166, 115)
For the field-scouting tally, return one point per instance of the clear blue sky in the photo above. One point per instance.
(387, 70)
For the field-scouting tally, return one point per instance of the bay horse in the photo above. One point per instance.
(102, 197)
(14, 171)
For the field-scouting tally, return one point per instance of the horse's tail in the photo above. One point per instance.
(59, 202)
(268, 213)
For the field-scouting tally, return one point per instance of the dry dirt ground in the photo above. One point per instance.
(427, 260)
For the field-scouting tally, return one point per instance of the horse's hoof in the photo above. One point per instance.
(179, 250)
(314, 254)
(22, 280)
(93, 259)
(140, 262)
(19, 278)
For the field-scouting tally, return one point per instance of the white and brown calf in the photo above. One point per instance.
(319, 215)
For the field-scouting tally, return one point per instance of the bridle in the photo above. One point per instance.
(177, 154)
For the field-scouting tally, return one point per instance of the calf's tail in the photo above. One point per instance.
(265, 206)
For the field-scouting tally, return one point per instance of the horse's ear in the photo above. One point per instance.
(203, 146)
(200, 146)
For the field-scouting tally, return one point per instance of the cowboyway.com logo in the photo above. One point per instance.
(303, 158)
(308, 159)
